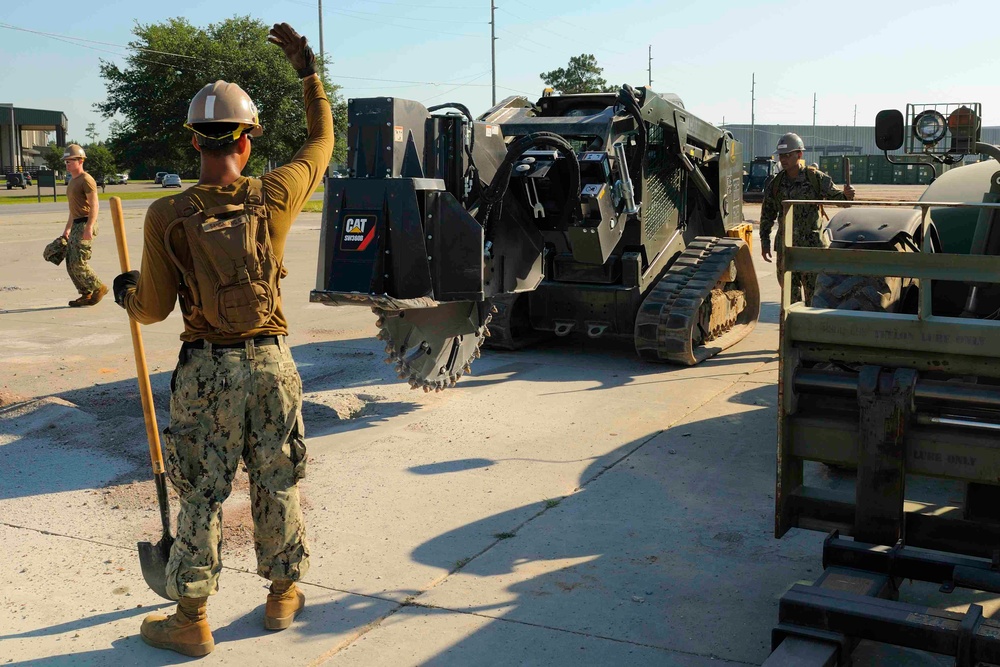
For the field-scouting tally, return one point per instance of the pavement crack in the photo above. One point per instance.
(412, 601)
(41, 531)
(578, 633)
(672, 424)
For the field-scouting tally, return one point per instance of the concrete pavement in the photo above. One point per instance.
(565, 505)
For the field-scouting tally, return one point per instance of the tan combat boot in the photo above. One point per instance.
(185, 631)
(283, 602)
(95, 297)
(84, 300)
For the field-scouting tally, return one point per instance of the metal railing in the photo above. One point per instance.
(925, 266)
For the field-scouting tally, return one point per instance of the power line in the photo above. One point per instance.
(403, 4)
(75, 40)
(385, 16)
(553, 32)
(71, 42)
(86, 43)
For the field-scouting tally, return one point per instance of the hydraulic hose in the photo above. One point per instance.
(627, 97)
(473, 171)
(493, 196)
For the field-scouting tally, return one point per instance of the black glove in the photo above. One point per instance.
(122, 285)
(298, 52)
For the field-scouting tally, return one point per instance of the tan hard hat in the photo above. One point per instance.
(222, 102)
(74, 151)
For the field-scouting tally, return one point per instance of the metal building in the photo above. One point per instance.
(822, 140)
(21, 130)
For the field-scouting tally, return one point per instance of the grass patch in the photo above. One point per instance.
(101, 196)
(503, 536)
(552, 502)
(151, 194)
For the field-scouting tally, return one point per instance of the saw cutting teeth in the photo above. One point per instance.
(432, 348)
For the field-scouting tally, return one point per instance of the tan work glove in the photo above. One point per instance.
(296, 49)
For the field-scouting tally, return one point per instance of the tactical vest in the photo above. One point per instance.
(812, 177)
(231, 278)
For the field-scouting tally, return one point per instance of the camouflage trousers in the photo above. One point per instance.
(229, 405)
(78, 254)
(803, 284)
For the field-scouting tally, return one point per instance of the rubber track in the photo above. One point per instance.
(665, 323)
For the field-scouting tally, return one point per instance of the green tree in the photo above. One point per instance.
(148, 96)
(100, 161)
(92, 132)
(581, 75)
(53, 157)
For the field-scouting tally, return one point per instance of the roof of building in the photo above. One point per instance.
(823, 139)
(33, 119)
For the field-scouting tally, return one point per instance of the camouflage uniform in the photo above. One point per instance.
(234, 396)
(807, 227)
(78, 254)
(227, 405)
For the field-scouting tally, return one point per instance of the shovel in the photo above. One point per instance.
(152, 557)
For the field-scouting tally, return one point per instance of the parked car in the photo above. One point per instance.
(159, 177)
(16, 180)
(67, 178)
(171, 181)
(123, 179)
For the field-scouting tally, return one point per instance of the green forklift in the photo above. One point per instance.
(896, 375)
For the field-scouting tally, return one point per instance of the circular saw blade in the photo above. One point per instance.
(433, 347)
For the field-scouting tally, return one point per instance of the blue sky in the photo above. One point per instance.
(871, 55)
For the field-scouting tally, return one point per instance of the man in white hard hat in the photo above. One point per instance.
(81, 228)
(796, 181)
(236, 394)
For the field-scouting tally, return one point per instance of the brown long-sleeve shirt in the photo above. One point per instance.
(286, 190)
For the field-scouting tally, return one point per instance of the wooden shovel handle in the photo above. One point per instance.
(141, 370)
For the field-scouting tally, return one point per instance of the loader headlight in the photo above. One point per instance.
(963, 123)
(929, 126)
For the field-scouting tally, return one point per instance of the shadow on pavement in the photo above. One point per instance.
(578, 359)
(88, 622)
(636, 553)
(31, 310)
(94, 437)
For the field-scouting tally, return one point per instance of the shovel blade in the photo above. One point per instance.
(153, 561)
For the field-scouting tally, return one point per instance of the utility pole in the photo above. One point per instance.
(855, 115)
(650, 66)
(13, 141)
(493, 46)
(322, 53)
(753, 89)
(814, 122)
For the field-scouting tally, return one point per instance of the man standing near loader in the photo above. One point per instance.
(81, 228)
(218, 247)
(796, 181)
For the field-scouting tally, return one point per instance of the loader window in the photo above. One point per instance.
(583, 144)
(580, 112)
(758, 170)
